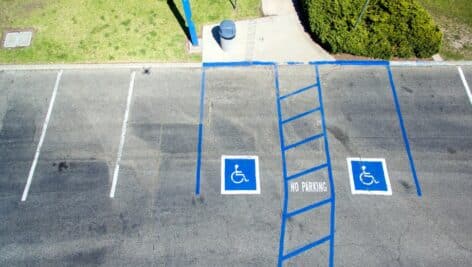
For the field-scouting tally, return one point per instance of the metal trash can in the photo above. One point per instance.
(227, 34)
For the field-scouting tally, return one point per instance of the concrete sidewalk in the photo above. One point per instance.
(278, 37)
(277, 7)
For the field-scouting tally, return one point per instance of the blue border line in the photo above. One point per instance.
(200, 133)
(284, 169)
(237, 64)
(404, 134)
(330, 173)
(352, 62)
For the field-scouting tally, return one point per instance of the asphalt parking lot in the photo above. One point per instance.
(127, 171)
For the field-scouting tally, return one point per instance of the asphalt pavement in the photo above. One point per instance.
(167, 129)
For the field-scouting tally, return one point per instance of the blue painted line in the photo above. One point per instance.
(330, 172)
(301, 115)
(299, 174)
(295, 63)
(352, 62)
(284, 168)
(297, 91)
(200, 134)
(307, 140)
(307, 247)
(308, 208)
(403, 130)
(237, 64)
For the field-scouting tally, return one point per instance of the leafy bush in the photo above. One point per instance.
(388, 28)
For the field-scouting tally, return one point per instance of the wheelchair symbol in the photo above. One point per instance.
(367, 178)
(237, 176)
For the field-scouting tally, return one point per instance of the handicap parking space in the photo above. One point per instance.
(437, 113)
(240, 120)
(362, 122)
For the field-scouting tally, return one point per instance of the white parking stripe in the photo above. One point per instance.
(41, 139)
(464, 81)
(123, 135)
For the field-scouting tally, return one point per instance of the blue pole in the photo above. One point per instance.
(190, 24)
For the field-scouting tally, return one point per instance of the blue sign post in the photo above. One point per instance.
(190, 24)
(369, 176)
(240, 175)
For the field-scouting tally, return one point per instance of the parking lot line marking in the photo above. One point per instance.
(307, 140)
(284, 167)
(309, 207)
(307, 171)
(296, 92)
(301, 115)
(123, 135)
(200, 133)
(466, 86)
(307, 247)
(41, 139)
(332, 225)
(403, 130)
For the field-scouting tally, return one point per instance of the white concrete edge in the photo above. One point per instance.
(398, 63)
(99, 66)
(429, 63)
(199, 65)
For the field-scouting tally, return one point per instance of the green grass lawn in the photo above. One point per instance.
(68, 31)
(454, 17)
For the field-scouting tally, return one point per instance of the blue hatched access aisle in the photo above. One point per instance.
(284, 147)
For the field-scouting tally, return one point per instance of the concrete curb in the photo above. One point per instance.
(200, 64)
(429, 63)
(99, 66)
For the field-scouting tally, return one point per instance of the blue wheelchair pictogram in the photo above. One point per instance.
(240, 175)
(369, 176)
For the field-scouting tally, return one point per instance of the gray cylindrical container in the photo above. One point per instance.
(227, 35)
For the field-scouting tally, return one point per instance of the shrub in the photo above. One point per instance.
(388, 28)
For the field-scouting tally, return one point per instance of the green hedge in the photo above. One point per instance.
(388, 28)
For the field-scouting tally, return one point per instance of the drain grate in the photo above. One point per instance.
(18, 39)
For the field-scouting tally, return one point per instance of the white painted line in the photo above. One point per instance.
(123, 135)
(466, 86)
(41, 139)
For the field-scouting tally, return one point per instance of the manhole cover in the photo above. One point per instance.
(17, 39)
